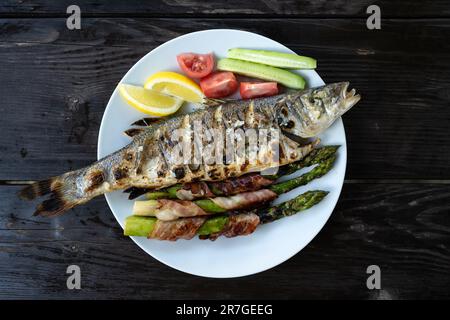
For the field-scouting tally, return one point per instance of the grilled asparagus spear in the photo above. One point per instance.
(215, 226)
(314, 157)
(321, 169)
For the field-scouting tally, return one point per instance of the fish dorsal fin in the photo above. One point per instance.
(212, 102)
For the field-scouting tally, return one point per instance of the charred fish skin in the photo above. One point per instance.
(160, 168)
(146, 162)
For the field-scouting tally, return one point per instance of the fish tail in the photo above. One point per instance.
(36, 189)
(54, 206)
(62, 191)
(77, 187)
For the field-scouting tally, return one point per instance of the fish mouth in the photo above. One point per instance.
(350, 98)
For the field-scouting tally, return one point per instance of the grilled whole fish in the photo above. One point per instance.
(147, 162)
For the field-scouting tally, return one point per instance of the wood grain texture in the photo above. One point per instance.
(229, 8)
(55, 84)
(405, 229)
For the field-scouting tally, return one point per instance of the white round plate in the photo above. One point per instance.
(270, 244)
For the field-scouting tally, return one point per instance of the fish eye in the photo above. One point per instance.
(290, 124)
(282, 113)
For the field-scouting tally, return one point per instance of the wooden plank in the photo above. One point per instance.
(405, 229)
(56, 83)
(301, 8)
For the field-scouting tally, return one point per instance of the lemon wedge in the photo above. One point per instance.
(149, 101)
(175, 84)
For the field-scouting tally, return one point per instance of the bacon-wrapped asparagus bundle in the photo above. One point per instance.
(224, 225)
(166, 209)
(251, 182)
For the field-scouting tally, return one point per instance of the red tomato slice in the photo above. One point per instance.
(196, 65)
(219, 84)
(250, 90)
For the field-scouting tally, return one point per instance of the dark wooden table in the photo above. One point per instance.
(394, 210)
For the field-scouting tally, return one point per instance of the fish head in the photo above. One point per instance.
(309, 112)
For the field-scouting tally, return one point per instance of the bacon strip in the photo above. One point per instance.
(238, 225)
(177, 229)
(194, 190)
(238, 185)
(174, 209)
(245, 200)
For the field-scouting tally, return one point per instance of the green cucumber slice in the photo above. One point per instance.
(261, 71)
(273, 58)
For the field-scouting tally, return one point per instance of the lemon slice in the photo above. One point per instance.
(149, 101)
(175, 84)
